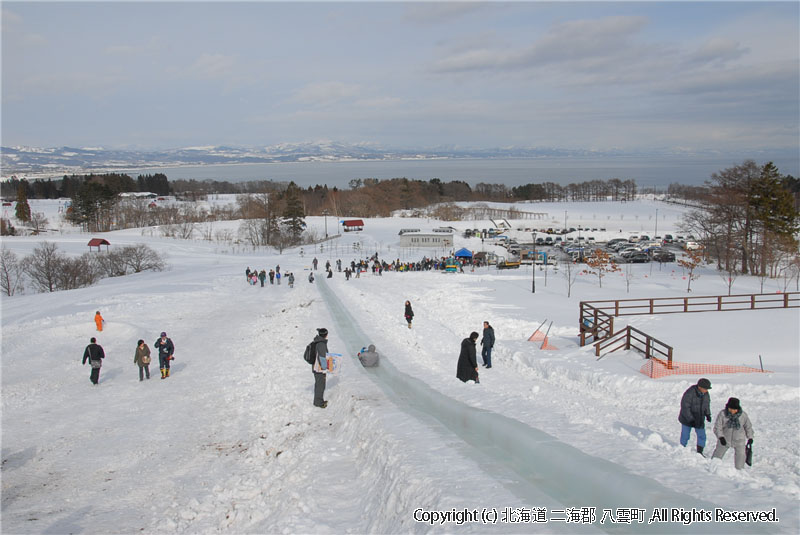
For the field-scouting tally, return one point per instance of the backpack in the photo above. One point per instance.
(310, 354)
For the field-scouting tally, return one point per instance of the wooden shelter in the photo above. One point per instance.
(97, 242)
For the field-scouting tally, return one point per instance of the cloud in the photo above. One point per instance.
(212, 66)
(14, 31)
(573, 41)
(718, 50)
(322, 94)
(438, 12)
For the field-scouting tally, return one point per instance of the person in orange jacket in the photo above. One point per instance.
(99, 321)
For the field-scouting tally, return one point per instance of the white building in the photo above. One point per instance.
(433, 239)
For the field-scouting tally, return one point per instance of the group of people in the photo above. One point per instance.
(467, 368)
(94, 355)
(274, 275)
(732, 426)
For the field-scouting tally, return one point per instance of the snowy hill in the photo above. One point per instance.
(231, 443)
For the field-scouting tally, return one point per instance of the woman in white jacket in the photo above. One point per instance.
(733, 429)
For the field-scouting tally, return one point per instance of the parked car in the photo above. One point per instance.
(633, 239)
(638, 258)
(548, 241)
(663, 256)
(539, 241)
(691, 246)
(668, 238)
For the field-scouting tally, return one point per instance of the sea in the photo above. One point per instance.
(646, 172)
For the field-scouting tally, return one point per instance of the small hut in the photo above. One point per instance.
(97, 242)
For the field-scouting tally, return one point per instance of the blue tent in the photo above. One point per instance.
(463, 253)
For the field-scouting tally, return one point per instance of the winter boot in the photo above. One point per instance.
(700, 450)
(167, 372)
(163, 373)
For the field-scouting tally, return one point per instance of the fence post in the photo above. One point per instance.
(669, 358)
(647, 347)
(651, 306)
(719, 303)
(752, 301)
(686, 304)
(627, 337)
(785, 300)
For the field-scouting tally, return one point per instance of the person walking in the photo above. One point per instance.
(467, 369)
(488, 343)
(94, 354)
(368, 356)
(142, 359)
(165, 351)
(320, 367)
(262, 276)
(695, 408)
(732, 428)
(99, 321)
(272, 276)
(409, 313)
(314, 263)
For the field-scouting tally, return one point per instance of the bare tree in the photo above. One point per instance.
(569, 272)
(38, 222)
(690, 263)
(42, 266)
(77, 272)
(11, 272)
(600, 263)
(140, 258)
(628, 276)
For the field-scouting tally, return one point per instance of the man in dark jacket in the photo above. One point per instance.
(488, 343)
(467, 362)
(165, 350)
(94, 354)
(695, 411)
(320, 367)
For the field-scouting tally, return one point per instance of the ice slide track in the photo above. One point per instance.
(526, 460)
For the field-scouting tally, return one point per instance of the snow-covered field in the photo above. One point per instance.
(231, 442)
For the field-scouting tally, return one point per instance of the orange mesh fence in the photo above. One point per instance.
(547, 345)
(655, 369)
(537, 336)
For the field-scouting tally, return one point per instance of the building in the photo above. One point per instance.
(437, 239)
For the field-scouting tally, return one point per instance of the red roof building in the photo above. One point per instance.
(97, 242)
(353, 225)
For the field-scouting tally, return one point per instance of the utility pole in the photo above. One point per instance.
(325, 213)
(533, 266)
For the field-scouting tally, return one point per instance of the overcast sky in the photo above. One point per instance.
(574, 75)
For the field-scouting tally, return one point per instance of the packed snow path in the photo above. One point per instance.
(535, 466)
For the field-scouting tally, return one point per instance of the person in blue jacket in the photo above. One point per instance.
(488, 343)
(695, 411)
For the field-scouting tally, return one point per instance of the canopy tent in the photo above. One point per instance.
(463, 253)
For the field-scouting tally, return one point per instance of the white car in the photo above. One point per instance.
(692, 246)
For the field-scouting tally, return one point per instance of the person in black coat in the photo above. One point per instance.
(467, 361)
(165, 351)
(409, 314)
(695, 411)
(94, 354)
(488, 343)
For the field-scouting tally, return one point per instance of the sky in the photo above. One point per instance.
(597, 75)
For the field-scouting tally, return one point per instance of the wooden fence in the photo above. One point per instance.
(633, 338)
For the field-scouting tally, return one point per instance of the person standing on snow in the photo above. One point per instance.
(142, 359)
(733, 429)
(695, 407)
(290, 278)
(409, 313)
(488, 343)
(99, 321)
(320, 367)
(271, 276)
(165, 351)
(467, 369)
(94, 354)
(314, 263)
(262, 276)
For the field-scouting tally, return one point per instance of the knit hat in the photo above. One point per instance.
(323, 331)
(733, 403)
(704, 383)
(163, 334)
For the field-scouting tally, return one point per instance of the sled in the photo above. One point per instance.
(334, 363)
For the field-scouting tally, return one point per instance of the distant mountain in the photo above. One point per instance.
(31, 161)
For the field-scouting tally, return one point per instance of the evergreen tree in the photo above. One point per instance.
(293, 212)
(23, 208)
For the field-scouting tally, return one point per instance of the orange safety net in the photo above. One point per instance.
(546, 345)
(655, 368)
(537, 336)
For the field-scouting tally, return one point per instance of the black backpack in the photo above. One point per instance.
(310, 354)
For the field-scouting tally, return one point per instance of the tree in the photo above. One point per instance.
(43, 266)
(690, 263)
(140, 258)
(38, 222)
(23, 211)
(569, 273)
(600, 263)
(11, 272)
(293, 214)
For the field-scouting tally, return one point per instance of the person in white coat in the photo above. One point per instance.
(733, 429)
